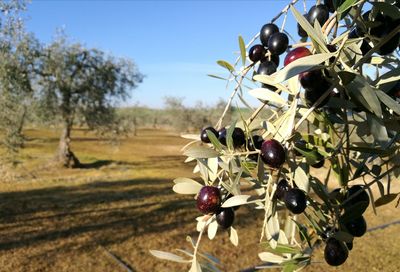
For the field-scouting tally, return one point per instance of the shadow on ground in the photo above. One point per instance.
(110, 211)
(103, 212)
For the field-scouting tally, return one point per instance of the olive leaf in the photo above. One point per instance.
(212, 229)
(234, 238)
(360, 90)
(226, 65)
(200, 152)
(242, 47)
(236, 201)
(187, 187)
(303, 22)
(388, 101)
(267, 95)
(168, 256)
(270, 257)
(386, 199)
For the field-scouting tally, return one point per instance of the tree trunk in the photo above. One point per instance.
(134, 126)
(65, 157)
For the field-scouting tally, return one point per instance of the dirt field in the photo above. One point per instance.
(122, 202)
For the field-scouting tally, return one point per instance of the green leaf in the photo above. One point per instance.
(378, 129)
(320, 190)
(385, 199)
(267, 95)
(388, 101)
(242, 47)
(345, 6)
(226, 65)
(217, 77)
(229, 132)
(308, 28)
(284, 249)
(200, 152)
(360, 90)
(214, 140)
(312, 156)
(298, 66)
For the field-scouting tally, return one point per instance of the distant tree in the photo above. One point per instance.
(77, 82)
(18, 55)
(180, 116)
(16, 77)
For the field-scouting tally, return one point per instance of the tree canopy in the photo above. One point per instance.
(76, 82)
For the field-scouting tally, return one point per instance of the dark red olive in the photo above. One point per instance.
(273, 153)
(256, 53)
(295, 54)
(311, 79)
(209, 200)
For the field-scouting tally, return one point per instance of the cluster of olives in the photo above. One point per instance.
(336, 251)
(272, 41)
(373, 26)
(209, 198)
(271, 151)
(209, 201)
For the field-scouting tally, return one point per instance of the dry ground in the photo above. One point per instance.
(64, 220)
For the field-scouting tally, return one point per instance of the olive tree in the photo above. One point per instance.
(18, 55)
(82, 83)
(322, 146)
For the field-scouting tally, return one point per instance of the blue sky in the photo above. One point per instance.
(174, 43)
